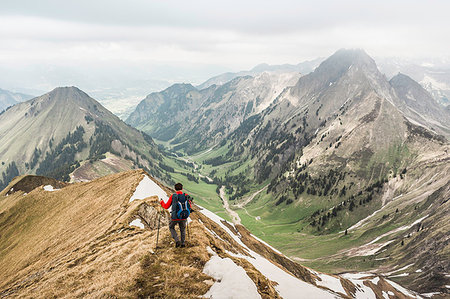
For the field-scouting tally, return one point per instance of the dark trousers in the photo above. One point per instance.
(182, 225)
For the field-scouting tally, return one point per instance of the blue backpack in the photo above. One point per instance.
(181, 207)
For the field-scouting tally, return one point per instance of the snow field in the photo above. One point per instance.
(403, 290)
(147, 188)
(288, 285)
(231, 280)
(331, 282)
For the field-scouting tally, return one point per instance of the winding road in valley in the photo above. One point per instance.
(234, 216)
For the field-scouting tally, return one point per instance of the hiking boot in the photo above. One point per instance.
(183, 245)
(177, 244)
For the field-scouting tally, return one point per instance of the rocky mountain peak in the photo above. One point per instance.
(402, 79)
(67, 91)
(180, 87)
(344, 59)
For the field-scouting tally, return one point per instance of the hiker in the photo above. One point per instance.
(181, 209)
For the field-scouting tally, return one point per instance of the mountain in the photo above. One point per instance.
(433, 75)
(302, 67)
(419, 106)
(339, 146)
(9, 98)
(108, 238)
(205, 117)
(56, 133)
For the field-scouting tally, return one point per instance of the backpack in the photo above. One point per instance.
(181, 207)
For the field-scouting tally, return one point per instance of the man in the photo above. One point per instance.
(181, 207)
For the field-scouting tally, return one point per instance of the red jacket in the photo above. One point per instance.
(169, 202)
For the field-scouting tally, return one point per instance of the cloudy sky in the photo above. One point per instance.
(99, 42)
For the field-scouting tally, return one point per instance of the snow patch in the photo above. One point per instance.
(398, 270)
(400, 275)
(362, 291)
(210, 251)
(231, 280)
(402, 289)
(288, 285)
(381, 258)
(147, 188)
(331, 282)
(137, 223)
(219, 220)
(429, 295)
(358, 275)
(405, 227)
(49, 188)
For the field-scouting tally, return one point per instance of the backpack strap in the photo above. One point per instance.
(174, 205)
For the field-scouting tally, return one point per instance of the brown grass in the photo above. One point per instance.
(77, 242)
(74, 241)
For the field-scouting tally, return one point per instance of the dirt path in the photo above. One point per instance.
(234, 216)
(250, 198)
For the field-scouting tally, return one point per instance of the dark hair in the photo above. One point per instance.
(178, 186)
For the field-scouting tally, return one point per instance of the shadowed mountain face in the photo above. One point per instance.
(54, 133)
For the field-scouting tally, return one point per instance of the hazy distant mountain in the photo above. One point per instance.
(205, 117)
(302, 67)
(434, 75)
(9, 98)
(51, 134)
(418, 105)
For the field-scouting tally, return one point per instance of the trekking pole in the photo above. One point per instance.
(187, 226)
(157, 235)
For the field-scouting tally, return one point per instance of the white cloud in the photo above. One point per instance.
(232, 35)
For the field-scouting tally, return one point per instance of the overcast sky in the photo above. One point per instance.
(45, 43)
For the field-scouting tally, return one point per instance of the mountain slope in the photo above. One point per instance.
(52, 134)
(108, 248)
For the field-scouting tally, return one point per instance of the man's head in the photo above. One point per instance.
(178, 187)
